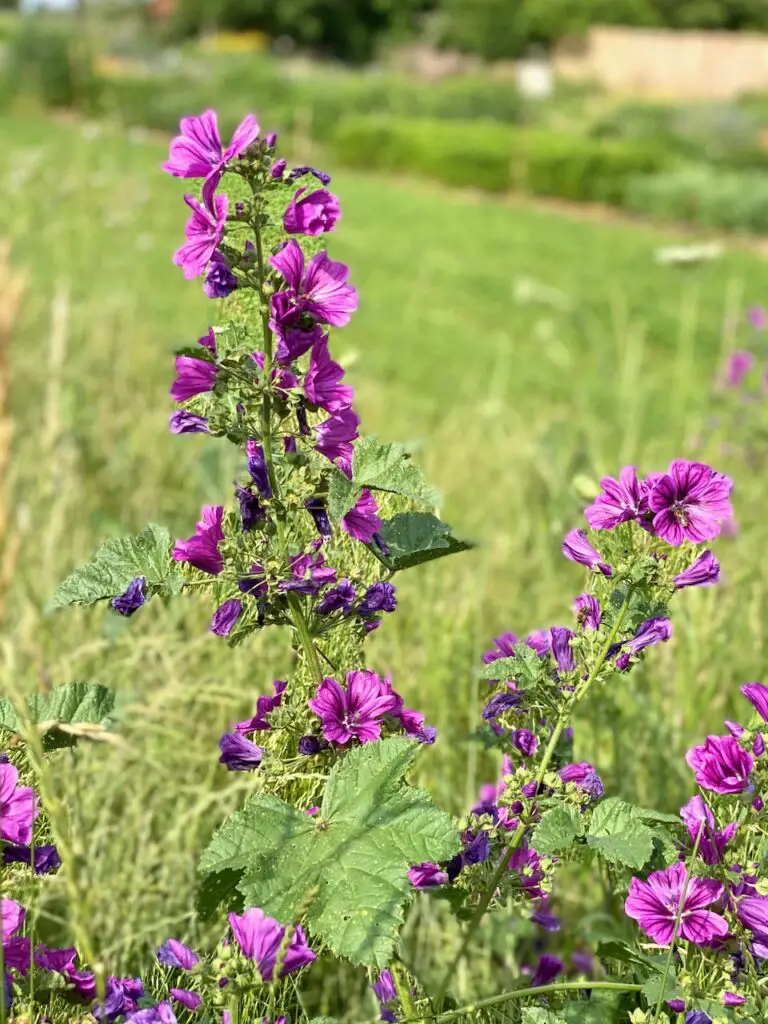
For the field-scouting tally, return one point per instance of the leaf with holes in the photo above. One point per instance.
(619, 834)
(558, 830)
(347, 867)
(118, 562)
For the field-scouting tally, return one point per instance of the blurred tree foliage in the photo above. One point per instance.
(495, 29)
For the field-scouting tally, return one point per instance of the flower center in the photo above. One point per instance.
(680, 512)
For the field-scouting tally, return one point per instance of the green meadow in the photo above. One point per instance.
(519, 352)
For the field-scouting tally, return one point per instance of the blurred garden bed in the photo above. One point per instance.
(700, 164)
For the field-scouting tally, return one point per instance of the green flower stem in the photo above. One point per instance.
(676, 928)
(294, 604)
(403, 991)
(527, 993)
(562, 721)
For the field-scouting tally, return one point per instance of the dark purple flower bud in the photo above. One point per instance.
(622, 662)
(4, 759)
(299, 172)
(757, 695)
(381, 544)
(453, 867)
(175, 954)
(46, 857)
(379, 597)
(225, 617)
(132, 599)
(238, 753)
(83, 983)
(338, 599)
(478, 850)
(316, 508)
(576, 547)
(652, 631)
(251, 511)
(585, 777)
(757, 804)
(525, 741)
(530, 789)
(270, 140)
(370, 625)
(499, 704)
(544, 918)
(277, 168)
(676, 1005)
(310, 745)
(560, 641)
(384, 988)
(219, 279)
(190, 1000)
(733, 999)
(257, 467)
(183, 422)
(547, 969)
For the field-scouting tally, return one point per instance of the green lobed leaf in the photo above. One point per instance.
(387, 466)
(537, 1015)
(617, 831)
(347, 867)
(342, 495)
(501, 668)
(115, 564)
(71, 705)
(416, 537)
(652, 988)
(558, 829)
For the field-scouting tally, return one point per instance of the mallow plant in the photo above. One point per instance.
(334, 844)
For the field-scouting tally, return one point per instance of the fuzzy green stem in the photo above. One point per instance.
(403, 992)
(305, 637)
(676, 927)
(526, 993)
(503, 866)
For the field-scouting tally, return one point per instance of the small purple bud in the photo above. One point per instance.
(132, 599)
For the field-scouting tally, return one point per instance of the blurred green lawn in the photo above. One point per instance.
(521, 352)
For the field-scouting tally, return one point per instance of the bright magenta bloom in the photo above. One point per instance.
(322, 381)
(198, 152)
(259, 937)
(193, 377)
(354, 713)
(335, 436)
(204, 231)
(202, 548)
(655, 903)
(577, 548)
(721, 765)
(704, 572)
(757, 695)
(697, 817)
(620, 501)
(690, 502)
(319, 288)
(18, 807)
(362, 522)
(312, 214)
(427, 876)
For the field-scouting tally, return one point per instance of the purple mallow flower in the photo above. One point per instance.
(704, 572)
(547, 969)
(238, 753)
(278, 167)
(225, 617)
(576, 547)
(204, 231)
(585, 777)
(175, 954)
(337, 599)
(61, 961)
(162, 1013)
(260, 938)
(316, 508)
(318, 288)
(619, 501)
(182, 422)
(264, 706)
(538, 642)
(202, 549)
(18, 807)
(737, 366)
(219, 279)
(251, 510)
(544, 918)
(656, 903)
(690, 502)
(757, 695)
(193, 377)
(499, 704)
(257, 467)
(697, 817)
(427, 876)
(198, 152)
(334, 438)
(525, 741)
(189, 1000)
(313, 213)
(379, 597)
(42, 859)
(505, 648)
(720, 765)
(122, 997)
(309, 574)
(322, 381)
(355, 712)
(362, 521)
(588, 611)
(560, 642)
(132, 598)
(652, 631)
